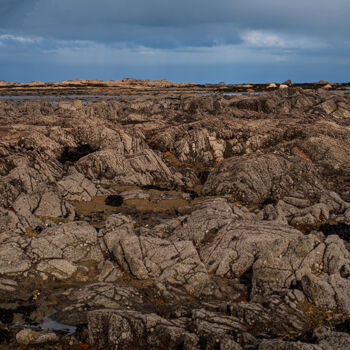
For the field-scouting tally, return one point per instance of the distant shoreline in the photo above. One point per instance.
(136, 86)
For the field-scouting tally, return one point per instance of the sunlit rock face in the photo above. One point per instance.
(176, 221)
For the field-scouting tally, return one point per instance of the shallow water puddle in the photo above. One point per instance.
(152, 200)
(98, 205)
(51, 325)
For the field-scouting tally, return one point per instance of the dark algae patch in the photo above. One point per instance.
(268, 201)
(154, 187)
(341, 229)
(4, 335)
(114, 200)
(7, 315)
(73, 154)
(343, 326)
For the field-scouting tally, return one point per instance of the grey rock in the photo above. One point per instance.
(7, 285)
(13, 261)
(117, 227)
(9, 222)
(121, 329)
(76, 187)
(328, 339)
(58, 268)
(282, 345)
(79, 301)
(144, 168)
(253, 178)
(29, 337)
(76, 241)
(169, 264)
(109, 272)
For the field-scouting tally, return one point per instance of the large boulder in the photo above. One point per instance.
(144, 168)
(254, 178)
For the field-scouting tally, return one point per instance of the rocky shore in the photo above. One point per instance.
(128, 86)
(176, 220)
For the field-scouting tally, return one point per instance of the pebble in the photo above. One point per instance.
(124, 335)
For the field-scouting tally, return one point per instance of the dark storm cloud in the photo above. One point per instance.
(181, 40)
(199, 22)
(152, 23)
(9, 6)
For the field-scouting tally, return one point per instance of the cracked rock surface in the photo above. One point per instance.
(176, 222)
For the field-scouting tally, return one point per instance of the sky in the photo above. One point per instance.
(205, 41)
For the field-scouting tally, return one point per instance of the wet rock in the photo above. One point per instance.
(327, 291)
(109, 272)
(215, 324)
(29, 337)
(283, 345)
(135, 194)
(26, 336)
(80, 301)
(123, 329)
(132, 329)
(277, 313)
(328, 339)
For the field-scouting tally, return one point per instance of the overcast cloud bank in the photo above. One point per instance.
(205, 41)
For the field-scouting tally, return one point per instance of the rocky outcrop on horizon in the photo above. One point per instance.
(125, 82)
(127, 86)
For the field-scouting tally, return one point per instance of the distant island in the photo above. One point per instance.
(129, 85)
